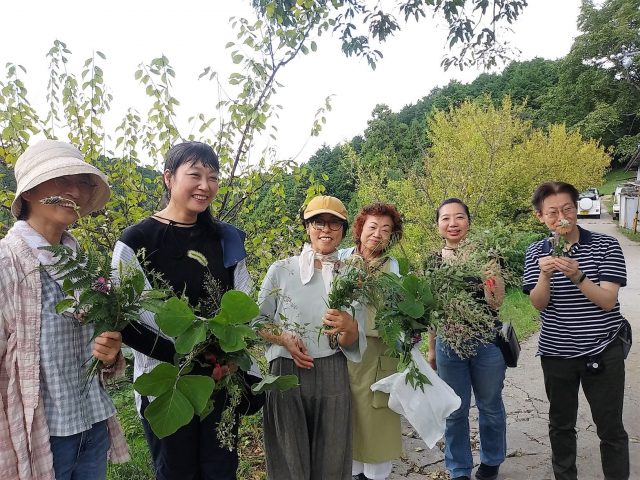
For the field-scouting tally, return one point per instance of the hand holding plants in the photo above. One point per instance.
(568, 266)
(296, 347)
(338, 322)
(493, 285)
(106, 347)
(547, 265)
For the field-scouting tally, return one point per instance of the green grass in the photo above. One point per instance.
(612, 179)
(250, 446)
(630, 234)
(139, 467)
(517, 309)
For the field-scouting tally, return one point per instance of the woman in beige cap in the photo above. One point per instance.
(307, 430)
(50, 425)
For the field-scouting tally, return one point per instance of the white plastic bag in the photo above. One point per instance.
(425, 411)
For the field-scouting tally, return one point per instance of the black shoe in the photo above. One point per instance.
(360, 476)
(463, 477)
(487, 472)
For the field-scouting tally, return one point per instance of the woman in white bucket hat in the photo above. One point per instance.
(50, 426)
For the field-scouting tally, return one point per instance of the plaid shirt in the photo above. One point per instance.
(65, 358)
(25, 452)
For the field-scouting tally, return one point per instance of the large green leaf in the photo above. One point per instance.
(411, 284)
(197, 389)
(425, 294)
(168, 413)
(175, 317)
(62, 305)
(239, 307)
(195, 334)
(403, 264)
(158, 381)
(411, 307)
(273, 382)
(232, 337)
(153, 305)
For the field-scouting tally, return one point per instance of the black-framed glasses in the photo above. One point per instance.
(334, 225)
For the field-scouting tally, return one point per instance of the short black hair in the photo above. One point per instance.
(553, 188)
(192, 153)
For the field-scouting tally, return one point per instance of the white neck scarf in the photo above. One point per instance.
(35, 240)
(328, 262)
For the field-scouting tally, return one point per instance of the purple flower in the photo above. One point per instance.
(102, 285)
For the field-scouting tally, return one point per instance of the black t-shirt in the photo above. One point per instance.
(166, 249)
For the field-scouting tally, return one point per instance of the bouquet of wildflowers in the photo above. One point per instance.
(91, 296)
(353, 281)
(461, 317)
(559, 245)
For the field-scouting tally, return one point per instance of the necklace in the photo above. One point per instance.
(173, 222)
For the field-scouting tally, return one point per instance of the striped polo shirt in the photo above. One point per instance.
(572, 325)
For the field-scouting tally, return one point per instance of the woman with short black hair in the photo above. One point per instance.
(483, 372)
(190, 179)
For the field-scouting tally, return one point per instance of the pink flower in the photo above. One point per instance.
(102, 285)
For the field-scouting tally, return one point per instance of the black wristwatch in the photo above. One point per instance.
(581, 279)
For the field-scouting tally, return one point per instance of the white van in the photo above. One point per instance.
(589, 203)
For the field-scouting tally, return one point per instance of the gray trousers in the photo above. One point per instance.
(307, 430)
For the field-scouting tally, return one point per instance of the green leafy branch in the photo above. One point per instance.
(181, 395)
(403, 317)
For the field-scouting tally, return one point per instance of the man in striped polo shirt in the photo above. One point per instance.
(576, 293)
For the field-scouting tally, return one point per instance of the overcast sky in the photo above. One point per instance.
(193, 34)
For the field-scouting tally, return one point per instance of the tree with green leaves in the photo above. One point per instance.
(490, 156)
(473, 25)
(598, 82)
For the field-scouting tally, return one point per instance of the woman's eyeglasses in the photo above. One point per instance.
(82, 183)
(333, 225)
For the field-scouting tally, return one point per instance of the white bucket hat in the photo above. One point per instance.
(50, 159)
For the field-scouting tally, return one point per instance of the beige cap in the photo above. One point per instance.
(50, 159)
(325, 204)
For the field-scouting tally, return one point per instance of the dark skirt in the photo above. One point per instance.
(307, 430)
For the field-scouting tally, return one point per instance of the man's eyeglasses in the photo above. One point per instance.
(566, 211)
(333, 225)
(83, 184)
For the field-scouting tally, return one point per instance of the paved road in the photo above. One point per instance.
(525, 400)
